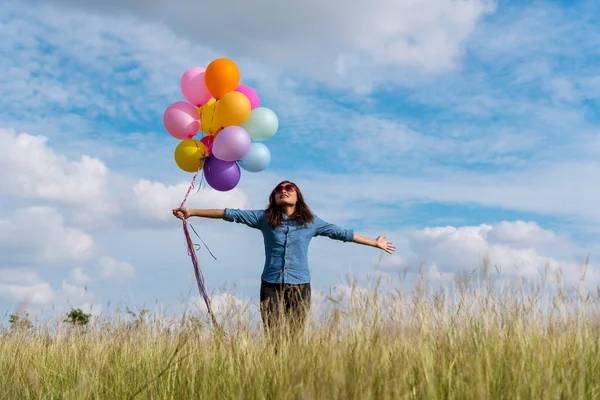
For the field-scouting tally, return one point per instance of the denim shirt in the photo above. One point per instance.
(286, 247)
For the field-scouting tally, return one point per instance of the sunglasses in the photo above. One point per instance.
(287, 188)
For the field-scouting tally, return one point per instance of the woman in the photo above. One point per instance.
(287, 225)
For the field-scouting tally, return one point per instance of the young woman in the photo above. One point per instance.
(287, 225)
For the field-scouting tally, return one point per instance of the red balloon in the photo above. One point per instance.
(208, 142)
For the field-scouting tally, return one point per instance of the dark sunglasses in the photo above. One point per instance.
(288, 188)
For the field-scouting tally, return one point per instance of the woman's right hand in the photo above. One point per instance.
(182, 213)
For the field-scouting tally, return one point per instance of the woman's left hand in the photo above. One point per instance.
(385, 245)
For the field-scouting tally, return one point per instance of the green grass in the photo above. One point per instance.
(473, 342)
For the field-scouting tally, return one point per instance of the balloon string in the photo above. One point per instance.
(191, 186)
(193, 256)
(202, 164)
(196, 233)
(198, 275)
(212, 117)
(201, 113)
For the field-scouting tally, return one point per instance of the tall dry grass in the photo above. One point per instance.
(473, 341)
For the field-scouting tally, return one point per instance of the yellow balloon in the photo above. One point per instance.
(233, 109)
(209, 123)
(190, 154)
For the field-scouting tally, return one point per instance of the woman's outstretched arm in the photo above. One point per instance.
(185, 213)
(251, 218)
(348, 235)
(379, 242)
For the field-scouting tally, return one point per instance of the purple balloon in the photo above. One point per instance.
(221, 175)
(231, 144)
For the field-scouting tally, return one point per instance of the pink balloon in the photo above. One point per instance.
(181, 120)
(193, 86)
(250, 94)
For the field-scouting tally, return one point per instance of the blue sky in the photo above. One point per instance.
(460, 129)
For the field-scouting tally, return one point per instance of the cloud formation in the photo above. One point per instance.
(457, 123)
(329, 40)
(512, 249)
(34, 171)
(38, 236)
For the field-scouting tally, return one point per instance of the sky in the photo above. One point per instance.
(461, 129)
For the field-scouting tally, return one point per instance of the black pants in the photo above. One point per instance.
(284, 305)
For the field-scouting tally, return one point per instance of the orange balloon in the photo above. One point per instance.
(221, 76)
(233, 109)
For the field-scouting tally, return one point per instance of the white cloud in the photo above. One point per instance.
(521, 234)
(459, 247)
(393, 262)
(38, 236)
(36, 295)
(427, 36)
(104, 269)
(111, 270)
(19, 275)
(221, 303)
(442, 278)
(228, 309)
(88, 192)
(45, 236)
(36, 298)
(79, 277)
(37, 172)
(30, 293)
(516, 249)
(76, 296)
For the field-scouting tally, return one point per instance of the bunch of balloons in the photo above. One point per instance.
(232, 122)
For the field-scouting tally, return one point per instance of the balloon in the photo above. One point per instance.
(231, 144)
(261, 124)
(193, 87)
(209, 123)
(189, 154)
(232, 109)
(250, 94)
(221, 76)
(221, 175)
(257, 159)
(208, 142)
(181, 120)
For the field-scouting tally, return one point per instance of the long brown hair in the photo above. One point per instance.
(302, 213)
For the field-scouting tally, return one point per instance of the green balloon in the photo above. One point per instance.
(261, 124)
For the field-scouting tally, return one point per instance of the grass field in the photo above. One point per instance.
(471, 341)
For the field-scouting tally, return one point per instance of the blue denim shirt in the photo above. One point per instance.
(286, 247)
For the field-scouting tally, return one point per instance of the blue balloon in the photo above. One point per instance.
(257, 159)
